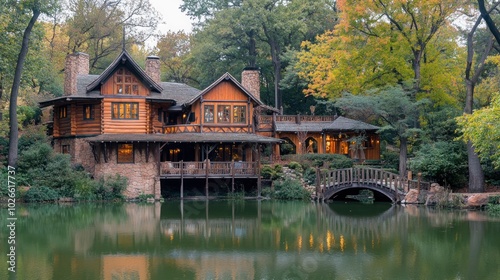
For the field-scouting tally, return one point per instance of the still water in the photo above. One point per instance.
(251, 240)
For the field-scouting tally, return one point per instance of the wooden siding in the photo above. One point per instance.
(110, 125)
(62, 126)
(109, 87)
(91, 126)
(225, 93)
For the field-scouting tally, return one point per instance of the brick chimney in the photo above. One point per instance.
(250, 80)
(153, 68)
(76, 64)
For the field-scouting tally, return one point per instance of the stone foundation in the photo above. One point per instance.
(143, 177)
(79, 150)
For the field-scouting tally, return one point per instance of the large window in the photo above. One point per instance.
(126, 82)
(125, 153)
(126, 111)
(209, 113)
(88, 112)
(223, 113)
(239, 114)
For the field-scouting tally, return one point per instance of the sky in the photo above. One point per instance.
(174, 19)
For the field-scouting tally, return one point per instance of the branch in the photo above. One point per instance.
(489, 21)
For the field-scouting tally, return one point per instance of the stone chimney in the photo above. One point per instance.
(250, 80)
(153, 68)
(76, 64)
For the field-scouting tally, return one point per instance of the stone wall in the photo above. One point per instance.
(143, 177)
(79, 150)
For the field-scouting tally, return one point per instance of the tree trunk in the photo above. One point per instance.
(476, 175)
(403, 155)
(13, 134)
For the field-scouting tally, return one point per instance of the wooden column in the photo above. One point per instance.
(259, 181)
(181, 168)
(207, 162)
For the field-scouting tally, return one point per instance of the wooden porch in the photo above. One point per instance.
(209, 169)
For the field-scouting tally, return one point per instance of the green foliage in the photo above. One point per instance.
(482, 128)
(145, 197)
(111, 187)
(271, 172)
(41, 194)
(290, 189)
(295, 166)
(442, 162)
(390, 160)
(310, 175)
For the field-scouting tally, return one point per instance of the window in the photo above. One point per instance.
(65, 149)
(239, 114)
(223, 113)
(126, 82)
(209, 113)
(88, 112)
(125, 153)
(63, 112)
(126, 111)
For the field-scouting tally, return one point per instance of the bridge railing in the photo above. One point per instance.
(375, 177)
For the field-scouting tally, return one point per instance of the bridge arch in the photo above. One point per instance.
(378, 192)
(333, 182)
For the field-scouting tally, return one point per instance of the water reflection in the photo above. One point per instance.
(253, 240)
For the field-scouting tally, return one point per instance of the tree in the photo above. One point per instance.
(256, 30)
(386, 42)
(97, 27)
(483, 130)
(394, 106)
(489, 21)
(476, 175)
(36, 8)
(174, 49)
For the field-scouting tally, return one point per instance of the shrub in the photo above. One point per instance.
(295, 166)
(111, 187)
(442, 162)
(41, 194)
(310, 176)
(290, 189)
(271, 172)
(390, 160)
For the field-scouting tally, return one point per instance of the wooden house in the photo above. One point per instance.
(127, 121)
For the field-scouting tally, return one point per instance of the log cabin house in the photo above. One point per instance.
(159, 134)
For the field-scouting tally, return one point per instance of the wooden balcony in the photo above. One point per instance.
(209, 169)
(196, 128)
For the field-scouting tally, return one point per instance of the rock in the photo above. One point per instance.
(477, 200)
(436, 188)
(411, 197)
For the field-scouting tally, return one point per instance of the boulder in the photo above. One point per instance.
(477, 200)
(436, 188)
(411, 197)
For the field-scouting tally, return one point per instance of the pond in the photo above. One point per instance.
(251, 240)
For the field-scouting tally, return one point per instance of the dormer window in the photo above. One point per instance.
(126, 82)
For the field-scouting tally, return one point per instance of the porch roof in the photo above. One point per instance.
(343, 124)
(185, 138)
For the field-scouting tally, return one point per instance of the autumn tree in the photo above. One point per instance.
(386, 42)
(483, 130)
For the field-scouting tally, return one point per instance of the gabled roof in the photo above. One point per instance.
(342, 123)
(124, 59)
(225, 77)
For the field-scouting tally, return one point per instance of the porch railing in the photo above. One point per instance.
(207, 168)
